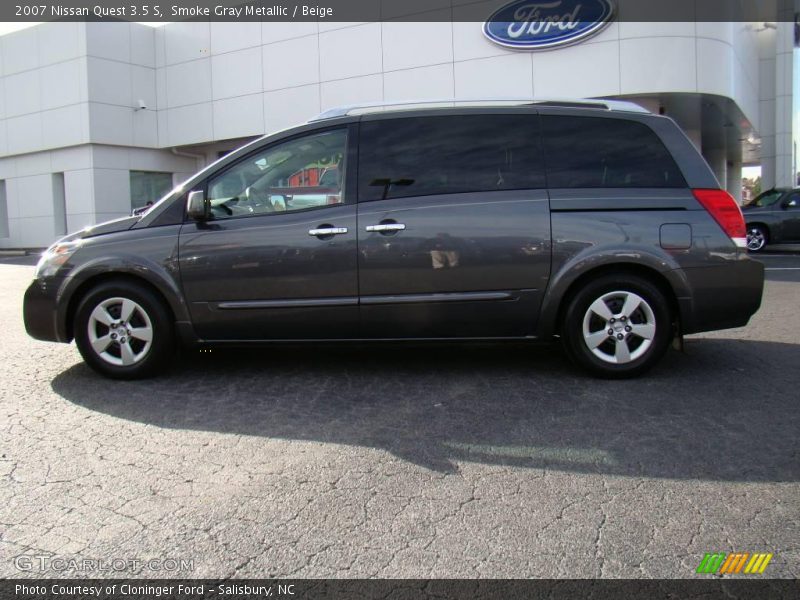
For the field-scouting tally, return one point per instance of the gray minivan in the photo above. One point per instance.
(592, 221)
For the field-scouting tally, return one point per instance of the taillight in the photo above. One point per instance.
(725, 210)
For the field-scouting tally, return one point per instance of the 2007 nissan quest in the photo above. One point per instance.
(594, 221)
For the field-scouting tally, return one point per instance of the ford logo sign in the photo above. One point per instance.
(547, 24)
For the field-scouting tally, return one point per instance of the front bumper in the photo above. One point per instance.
(40, 311)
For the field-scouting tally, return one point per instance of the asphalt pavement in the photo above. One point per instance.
(403, 461)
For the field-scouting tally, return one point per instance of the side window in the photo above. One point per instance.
(793, 200)
(303, 173)
(589, 152)
(420, 156)
(766, 199)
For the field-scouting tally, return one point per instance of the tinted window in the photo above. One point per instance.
(449, 154)
(587, 152)
(302, 173)
(766, 199)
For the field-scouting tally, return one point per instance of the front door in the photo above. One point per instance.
(278, 259)
(454, 226)
(789, 215)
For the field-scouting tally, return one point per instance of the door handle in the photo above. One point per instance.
(322, 231)
(384, 227)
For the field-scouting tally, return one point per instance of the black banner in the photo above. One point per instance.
(398, 589)
(382, 10)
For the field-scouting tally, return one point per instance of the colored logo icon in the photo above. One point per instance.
(735, 563)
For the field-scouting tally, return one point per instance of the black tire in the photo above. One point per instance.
(654, 310)
(149, 312)
(757, 238)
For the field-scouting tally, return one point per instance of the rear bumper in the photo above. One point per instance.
(40, 311)
(722, 296)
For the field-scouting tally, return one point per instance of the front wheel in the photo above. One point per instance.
(123, 331)
(617, 326)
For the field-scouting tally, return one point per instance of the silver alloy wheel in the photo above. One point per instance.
(120, 331)
(756, 239)
(619, 327)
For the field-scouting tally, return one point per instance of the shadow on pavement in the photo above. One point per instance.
(724, 410)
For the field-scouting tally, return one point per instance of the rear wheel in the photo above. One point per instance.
(757, 238)
(617, 326)
(124, 331)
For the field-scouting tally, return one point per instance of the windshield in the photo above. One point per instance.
(766, 199)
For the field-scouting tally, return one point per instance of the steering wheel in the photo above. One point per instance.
(221, 208)
(258, 200)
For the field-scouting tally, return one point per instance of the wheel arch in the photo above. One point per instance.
(671, 283)
(93, 280)
(637, 270)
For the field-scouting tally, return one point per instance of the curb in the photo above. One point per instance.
(785, 249)
(21, 251)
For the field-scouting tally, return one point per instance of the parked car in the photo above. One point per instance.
(594, 222)
(773, 217)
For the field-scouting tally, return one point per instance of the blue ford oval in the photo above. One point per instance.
(547, 24)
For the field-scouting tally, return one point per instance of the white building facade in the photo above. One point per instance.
(98, 118)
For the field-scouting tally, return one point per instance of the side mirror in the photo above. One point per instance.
(197, 207)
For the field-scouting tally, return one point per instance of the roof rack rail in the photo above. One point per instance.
(373, 107)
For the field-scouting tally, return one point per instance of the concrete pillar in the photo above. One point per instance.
(785, 174)
(767, 51)
(734, 182)
(767, 172)
(717, 159)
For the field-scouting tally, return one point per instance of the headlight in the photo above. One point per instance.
(54, 257)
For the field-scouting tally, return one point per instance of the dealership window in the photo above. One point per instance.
(149, 187)
(421, 156)
(303, 173)
(59, 205)
(590, 152)
(3, 210)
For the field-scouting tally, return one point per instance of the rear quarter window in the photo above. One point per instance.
(589, 152)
